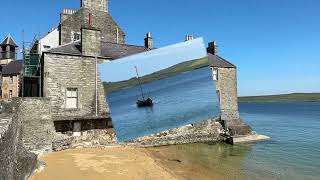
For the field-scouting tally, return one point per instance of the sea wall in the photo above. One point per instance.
(204, 132)
(37, 126)
(16, 163)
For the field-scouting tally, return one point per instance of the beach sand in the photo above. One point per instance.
(193, 161)
(96, 164)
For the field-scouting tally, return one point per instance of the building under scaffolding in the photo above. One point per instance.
(31, 81)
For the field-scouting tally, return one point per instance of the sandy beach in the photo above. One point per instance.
(193, 161)
(96, 164)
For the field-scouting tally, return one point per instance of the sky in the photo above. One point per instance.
(275, 44)
(152, 61)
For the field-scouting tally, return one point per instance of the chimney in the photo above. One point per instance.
(148, 41)
(189, 37)
(90, 41)
(212, 48)
(65, 14)
(98, 5)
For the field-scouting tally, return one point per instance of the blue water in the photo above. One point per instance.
(294, 149)
(179, 100)
(292, 153)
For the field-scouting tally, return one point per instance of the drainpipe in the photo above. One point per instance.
(96, 90)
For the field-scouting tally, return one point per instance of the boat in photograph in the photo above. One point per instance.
(144, 102)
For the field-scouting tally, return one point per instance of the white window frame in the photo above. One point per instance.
(215, 74)
(72, 98)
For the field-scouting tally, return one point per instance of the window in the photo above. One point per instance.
(11, 79)
(46, 47)
(215, 74)
(76, 36)
(72, 98)
(10, 94)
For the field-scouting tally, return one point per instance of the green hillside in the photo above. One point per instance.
(171, 71)
(282, 98)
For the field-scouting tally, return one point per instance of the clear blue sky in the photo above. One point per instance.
(274, 43)
(152, 61)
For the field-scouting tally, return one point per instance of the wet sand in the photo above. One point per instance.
(96, 164)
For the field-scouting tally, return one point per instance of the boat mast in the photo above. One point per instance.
(139, 81)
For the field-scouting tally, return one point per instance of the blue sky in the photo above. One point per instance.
(274, 43)
(152, 61)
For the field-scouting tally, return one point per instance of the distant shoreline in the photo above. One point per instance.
(294, 97)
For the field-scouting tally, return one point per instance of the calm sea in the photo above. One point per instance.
(292, 153)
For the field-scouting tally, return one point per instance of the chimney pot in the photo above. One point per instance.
(148, 41)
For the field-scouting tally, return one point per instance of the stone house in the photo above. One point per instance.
(69, 72)
(10, 70)
(11, 75)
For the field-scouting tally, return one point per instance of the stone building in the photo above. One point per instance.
(94, 12)
(10, 69)
(224, 74)
(11, 75)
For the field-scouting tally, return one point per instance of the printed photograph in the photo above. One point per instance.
(160, 89)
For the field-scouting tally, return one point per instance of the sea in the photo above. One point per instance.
(293, 152)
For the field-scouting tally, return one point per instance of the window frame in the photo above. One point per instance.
(67, 98)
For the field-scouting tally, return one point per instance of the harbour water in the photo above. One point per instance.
(292, 153)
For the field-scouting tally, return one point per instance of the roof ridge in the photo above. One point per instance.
(122, 44)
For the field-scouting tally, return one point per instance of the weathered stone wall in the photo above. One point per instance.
(110, 30)
(227, 91)
(99, 5)
(37, 126)
(90, 42)
(64, 71)
(16, 163)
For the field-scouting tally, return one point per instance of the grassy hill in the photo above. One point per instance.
(282, 98)
(171, 71)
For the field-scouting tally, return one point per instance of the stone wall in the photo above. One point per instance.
(16, 163)
(204, 132)
(65, 71)
(227, 91)
(226, 86)
(37, 126)
(110, 30)
(99, 5)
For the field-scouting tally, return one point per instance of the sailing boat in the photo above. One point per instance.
(144, 102)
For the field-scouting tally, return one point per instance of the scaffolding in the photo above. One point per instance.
(31, 75)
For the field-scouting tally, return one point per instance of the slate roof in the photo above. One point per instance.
(14, 67)
(217, 61)
(9, 41)
(108, 49)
